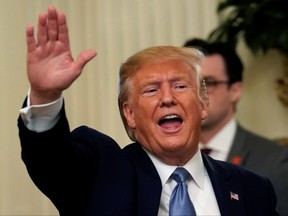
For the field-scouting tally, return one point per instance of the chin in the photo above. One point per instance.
(174, 146)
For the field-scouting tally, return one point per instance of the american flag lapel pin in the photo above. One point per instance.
(234, 196)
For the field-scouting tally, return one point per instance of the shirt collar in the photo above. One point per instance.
(194, 166)
(223, 140)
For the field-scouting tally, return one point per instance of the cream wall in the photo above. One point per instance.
(116, 29)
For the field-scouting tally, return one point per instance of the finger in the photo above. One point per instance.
(42, 29)
(84, 58)
(30, 39)
(63, 29)
(52, 24)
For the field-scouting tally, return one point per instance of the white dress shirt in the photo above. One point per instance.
(40, 118)
(221, 143)
(199, 188)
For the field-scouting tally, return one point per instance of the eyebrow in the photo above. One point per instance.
(173, 79)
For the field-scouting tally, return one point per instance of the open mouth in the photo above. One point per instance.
(170, 122)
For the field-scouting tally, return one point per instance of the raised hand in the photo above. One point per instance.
(50, 65)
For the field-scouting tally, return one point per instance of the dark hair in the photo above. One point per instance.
(234, 66)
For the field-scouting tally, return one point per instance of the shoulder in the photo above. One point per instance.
(259, 143)
(84, 132)
(254, 191)
(85, 137)
(135, 152)
(234, 173)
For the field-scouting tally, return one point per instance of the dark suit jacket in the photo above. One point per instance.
(265, 158)
(86, 173)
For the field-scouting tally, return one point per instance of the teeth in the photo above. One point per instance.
(170, 117)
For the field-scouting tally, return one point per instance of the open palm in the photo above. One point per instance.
(50, 65)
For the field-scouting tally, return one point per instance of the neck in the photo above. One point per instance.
(208, 132)
(178, 159)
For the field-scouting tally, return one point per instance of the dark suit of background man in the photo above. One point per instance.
(162, 101)
(222, 134)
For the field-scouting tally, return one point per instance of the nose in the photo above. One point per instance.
(167, 97)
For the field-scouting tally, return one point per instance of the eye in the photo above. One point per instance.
(210, 82)
(180, 86)
(150, 91)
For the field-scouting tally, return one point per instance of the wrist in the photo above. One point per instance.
(43, 97)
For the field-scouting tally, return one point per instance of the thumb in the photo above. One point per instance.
(84, 57)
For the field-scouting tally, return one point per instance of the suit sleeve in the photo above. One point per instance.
(63, 164)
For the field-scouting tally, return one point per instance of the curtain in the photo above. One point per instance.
(116, 29)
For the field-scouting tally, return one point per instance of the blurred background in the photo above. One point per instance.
(116, 29)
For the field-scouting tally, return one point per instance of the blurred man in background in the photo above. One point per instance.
(222, 137)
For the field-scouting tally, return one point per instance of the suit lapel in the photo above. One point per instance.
(149, 182)
(239, 152)
(229, 196)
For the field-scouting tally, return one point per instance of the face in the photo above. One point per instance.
(222, 97)
(165, 111)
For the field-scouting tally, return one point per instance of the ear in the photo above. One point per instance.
(204, 110)
(236, 91)
(129, 115)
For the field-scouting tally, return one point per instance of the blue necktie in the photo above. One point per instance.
(180, 203)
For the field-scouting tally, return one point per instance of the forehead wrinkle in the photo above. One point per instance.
(158, 79)
(158, 75)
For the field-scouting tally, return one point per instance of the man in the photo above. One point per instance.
(224, 138)
(162, 102)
